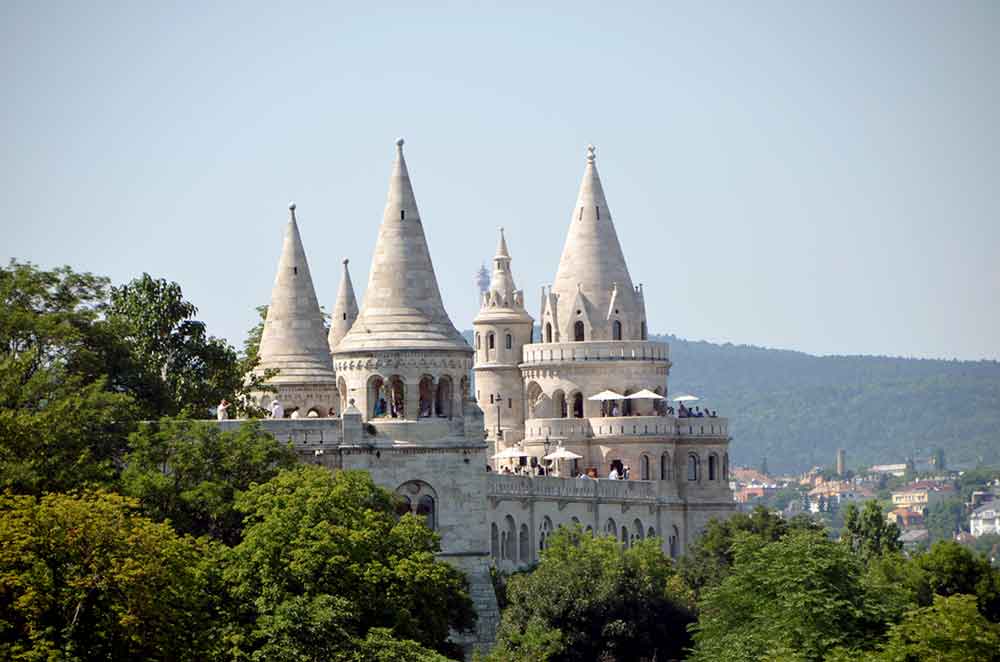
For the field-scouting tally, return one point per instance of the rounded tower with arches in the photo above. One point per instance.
(500, 331)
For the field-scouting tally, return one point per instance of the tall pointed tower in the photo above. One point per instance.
(592, 289)
(406, 368)
(294, 338)
(345, 310)
(502, 328)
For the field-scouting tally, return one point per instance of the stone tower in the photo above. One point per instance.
(345, 310)
(501, 329)
(592, 297)
(406, 368)
(294, 337)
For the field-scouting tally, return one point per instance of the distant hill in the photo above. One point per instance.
(796, 409)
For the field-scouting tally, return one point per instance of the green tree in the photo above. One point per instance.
(867, 532)
(710, 557)
(309, 534)
(944, 518)
(191, 473)
(175, 366)
(938, 459)
(588, 597)
(797, 598)
(85, 577)
(950, 630)
(951, 569)
(61, 424)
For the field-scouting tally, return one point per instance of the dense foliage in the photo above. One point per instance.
(590, 599)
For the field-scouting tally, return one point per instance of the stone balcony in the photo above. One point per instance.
(632, 491)
(624, 426)
(595, 350)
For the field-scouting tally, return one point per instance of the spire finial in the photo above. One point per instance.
(399, 143)
(291, 210)
(591, 153)
(346, 261)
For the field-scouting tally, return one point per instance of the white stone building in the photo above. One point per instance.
(395, 375)
(985, 519)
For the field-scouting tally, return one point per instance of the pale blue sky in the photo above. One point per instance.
(814, 176)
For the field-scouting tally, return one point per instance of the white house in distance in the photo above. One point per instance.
(985, 519)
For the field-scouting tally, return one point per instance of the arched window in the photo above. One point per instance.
(578, 331)
(397, 397)
(494, 542)
(524, 545)
(534, 395)
(651, 533)
(692, 467)
(490, 340)
(509, 342)
(510, 535)
(577, 405)
(420, 500)
(666, 468)
(625, 540)
(616, 330)
(545, 531)
(548, 332)
(643, 330)
(478, 341)
(637, 530)
(611, 529)
(559, 405)
(426, 396)
(713, 462)
(403, 505)
(644, 467)
(378, 400)
(442, 402)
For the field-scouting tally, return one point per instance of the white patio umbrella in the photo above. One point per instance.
(511, 453)
(607, 395)
(646, 394)
(561, 454)
(686, 398)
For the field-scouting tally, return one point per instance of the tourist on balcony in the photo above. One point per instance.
(277, 411)
(625, 472)
(332, 413)
(220, 411)
(613, 474)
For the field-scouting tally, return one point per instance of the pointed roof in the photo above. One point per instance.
(402, 307)
(503, 301)
(592, 260)
(294, 337)
(345, 309)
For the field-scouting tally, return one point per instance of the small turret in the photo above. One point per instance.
(345, 310)
(501, 329)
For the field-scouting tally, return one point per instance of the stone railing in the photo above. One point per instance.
(299, 431)
(501, 485)
(596, 350)
(624, 426)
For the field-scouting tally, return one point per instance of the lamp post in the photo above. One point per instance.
(499, 397)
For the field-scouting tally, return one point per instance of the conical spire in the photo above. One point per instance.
(345, 310)
(402, 307)
(294, 338)
(592, 262)
(502, 299)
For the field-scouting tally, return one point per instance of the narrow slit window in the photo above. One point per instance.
(402, 214)
(580, 216)
(295, 270)
(598, 212)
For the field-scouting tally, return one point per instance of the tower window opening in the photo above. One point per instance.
(578, 332)
(345, 316)
(510, 403)
(478, 341)
(616, 330)
(643, 330)
(510, 341)
(490, 341)
(491, 398)
(548, 332)
(598, 212)
(295, 270)
(402, 214)
(580, 215)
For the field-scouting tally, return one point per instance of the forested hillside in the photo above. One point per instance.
(796, 409)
